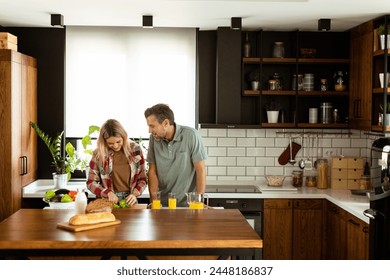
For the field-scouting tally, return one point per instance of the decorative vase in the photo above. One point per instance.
(382, 40)
(272, 116)
(60, 180)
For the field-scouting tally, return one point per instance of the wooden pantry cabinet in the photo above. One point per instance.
(293, 229)
(18, 142)
(346, 236)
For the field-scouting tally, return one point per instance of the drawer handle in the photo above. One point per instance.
(353, 222)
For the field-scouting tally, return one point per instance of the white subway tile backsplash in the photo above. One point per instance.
(227, 161)
(246, 142)
(236, 171)
(238, 152)
(250, 154)
(227, 142)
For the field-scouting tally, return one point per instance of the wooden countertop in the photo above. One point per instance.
(142, 229)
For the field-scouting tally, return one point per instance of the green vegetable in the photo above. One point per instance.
(123, 204)
(50, 194)
(66, 198)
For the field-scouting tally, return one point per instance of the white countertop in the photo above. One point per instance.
(354, 204)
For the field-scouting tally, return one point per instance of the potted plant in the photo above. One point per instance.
(254, 78)
(382, 32)
(272, 108)
(385, 115)
(64, 164)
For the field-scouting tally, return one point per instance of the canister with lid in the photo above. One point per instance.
(322, 173)
(326, 112)
(297, 178)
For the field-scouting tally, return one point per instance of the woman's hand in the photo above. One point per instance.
(112, 197)
(131, 199)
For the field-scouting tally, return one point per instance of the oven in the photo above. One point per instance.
(242, 197)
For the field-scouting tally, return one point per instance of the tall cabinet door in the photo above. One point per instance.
(29, 98)
(360, 101)
(15, 146)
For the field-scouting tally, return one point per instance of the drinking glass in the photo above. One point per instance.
(172, 201)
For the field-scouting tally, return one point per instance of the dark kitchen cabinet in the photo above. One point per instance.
(360, 97)
(293, 229)
(18, 143)
(336, 233)
(357, 238)
(380, 65)
(236, 103)
(346, 235)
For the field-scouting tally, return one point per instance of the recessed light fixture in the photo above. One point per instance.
(147, 21)
(57, 20)
(324, 24)
(235, 23)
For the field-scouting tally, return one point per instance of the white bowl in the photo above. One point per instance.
(60, 205)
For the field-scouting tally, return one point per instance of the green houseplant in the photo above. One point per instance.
(86, 141)
(64, 164)
(382, 32)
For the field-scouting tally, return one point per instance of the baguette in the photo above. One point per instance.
(91, 218)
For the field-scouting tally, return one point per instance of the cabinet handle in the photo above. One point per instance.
(23, 170)
(335, 210)
(365, 229)
(353, 222)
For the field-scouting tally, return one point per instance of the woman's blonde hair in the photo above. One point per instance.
(111, 128)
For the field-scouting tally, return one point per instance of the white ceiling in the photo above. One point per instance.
(204, 14)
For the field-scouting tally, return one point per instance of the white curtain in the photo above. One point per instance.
(118, 72)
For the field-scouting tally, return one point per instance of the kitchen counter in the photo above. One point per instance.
(354, 204)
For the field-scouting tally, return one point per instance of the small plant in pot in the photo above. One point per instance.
(273, 108)
(64, 164)
(254, 78)
(382, 31)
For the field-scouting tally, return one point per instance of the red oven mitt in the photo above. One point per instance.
(285, 156)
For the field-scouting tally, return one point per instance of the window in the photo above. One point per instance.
(118, 72)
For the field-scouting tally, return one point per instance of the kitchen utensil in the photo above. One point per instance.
(308, 162)
(285, 156)
(301, 163)
(197, 200)
(291, 160)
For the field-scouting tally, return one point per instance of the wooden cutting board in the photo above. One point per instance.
(69, 227)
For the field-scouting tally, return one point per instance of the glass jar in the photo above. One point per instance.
(339, 81)
(297, 178)
(279, 81)
(322, 173)
(364, 183)
(311, 181)
(278, 50)
(273, 85)
(297, 82)
(324, 85)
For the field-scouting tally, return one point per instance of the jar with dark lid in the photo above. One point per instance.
(297, 178)
(364, 183)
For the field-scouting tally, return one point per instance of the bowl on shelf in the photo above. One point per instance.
(308, 52)
(275, 180)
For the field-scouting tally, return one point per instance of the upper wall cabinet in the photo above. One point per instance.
(296, 73)
(289, 72)
(380, 80)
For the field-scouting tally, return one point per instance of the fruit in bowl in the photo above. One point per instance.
(60, 199)
(275, 180)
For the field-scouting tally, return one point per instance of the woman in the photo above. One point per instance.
(117, 167)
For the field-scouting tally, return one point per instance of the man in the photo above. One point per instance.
(176, 157)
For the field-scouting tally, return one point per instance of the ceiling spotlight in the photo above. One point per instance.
(57, 20)
(324, 24)
(235, 23)
(147, 21)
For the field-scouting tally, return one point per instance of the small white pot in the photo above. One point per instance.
(272, 116)
(382, 79)
(382, 40)
(255, 85)
(60, 180)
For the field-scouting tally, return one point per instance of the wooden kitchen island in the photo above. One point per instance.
(142, 232)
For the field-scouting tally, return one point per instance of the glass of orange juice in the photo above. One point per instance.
(156, 203)
(196, 205)
(172, 201)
